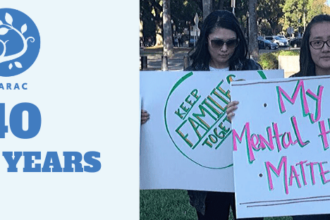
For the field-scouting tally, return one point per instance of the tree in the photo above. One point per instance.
(253, 32)
(219, 4)
(299, 12)
(182, 13)
(167, 27)
(207, 8)
(326, 9)
(150, 15)
(295, 14)
(272, 12)
(316, 7)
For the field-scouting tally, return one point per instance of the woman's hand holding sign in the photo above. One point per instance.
(144, 116)
(231, 107)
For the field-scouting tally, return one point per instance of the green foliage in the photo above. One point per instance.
(273, 16)
(184, 11)
(293, 13)
(268, 61)
(315, 7)
(265, 28)
(298, 12)
(150, 15)
(289, 53)
(271, 11)
(182, 14)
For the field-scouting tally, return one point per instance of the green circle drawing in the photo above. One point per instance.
(168, 132)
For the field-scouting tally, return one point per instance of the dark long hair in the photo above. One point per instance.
(200, 55)
(307, 65)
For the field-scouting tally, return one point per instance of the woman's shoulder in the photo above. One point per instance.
(189, 68)
(250, 64)
(299, 74)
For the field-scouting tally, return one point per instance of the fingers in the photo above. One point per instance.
(144, 116)
(231, 107)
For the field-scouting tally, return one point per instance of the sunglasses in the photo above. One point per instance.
(218, 43)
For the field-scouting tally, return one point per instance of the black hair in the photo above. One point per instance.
(307, 65)
(200, 55)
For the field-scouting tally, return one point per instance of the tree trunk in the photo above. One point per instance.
(221, 2)
(253, 30)
(207, 8)
(219, 5)
(167, 29)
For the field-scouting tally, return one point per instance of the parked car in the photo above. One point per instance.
(261, 38)
(278, 40)
(283, 37)
(266, 44)
(296, 42)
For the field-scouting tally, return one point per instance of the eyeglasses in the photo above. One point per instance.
(218, 43)
(319, 44)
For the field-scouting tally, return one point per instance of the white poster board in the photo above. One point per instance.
(186, 144)
(281, 147)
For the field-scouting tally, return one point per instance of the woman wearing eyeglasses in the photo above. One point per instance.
(314, 61)
(220, 47)
(315, 48)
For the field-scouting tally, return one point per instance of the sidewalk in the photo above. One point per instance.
(154, 56)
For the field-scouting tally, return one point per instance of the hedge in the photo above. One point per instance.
(270, 60)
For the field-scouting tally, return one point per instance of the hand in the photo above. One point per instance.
(144, 116)
(231, 107)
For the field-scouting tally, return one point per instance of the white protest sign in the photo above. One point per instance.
(281, 147)
(187, 142)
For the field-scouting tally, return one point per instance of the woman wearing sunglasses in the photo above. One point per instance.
(314, 61)
(220, 47)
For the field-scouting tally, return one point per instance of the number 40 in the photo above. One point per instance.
(16, 120)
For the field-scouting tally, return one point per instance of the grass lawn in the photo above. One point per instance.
(171, 205)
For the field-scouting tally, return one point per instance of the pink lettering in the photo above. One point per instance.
(311, 165)
(322, 173)
(297, 132)
(318, 99)
(294, 174)
(270, 167)
(277, 137)
(264, 142)
(301, 163)
(323, 134)
(281, 92)
(246, 130)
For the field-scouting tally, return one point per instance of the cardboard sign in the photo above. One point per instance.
(187, 142)
(281, 147)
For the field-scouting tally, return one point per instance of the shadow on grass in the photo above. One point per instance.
(171, 205)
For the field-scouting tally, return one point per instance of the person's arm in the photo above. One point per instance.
(144, 116)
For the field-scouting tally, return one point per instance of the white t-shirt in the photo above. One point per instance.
(215, 69)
